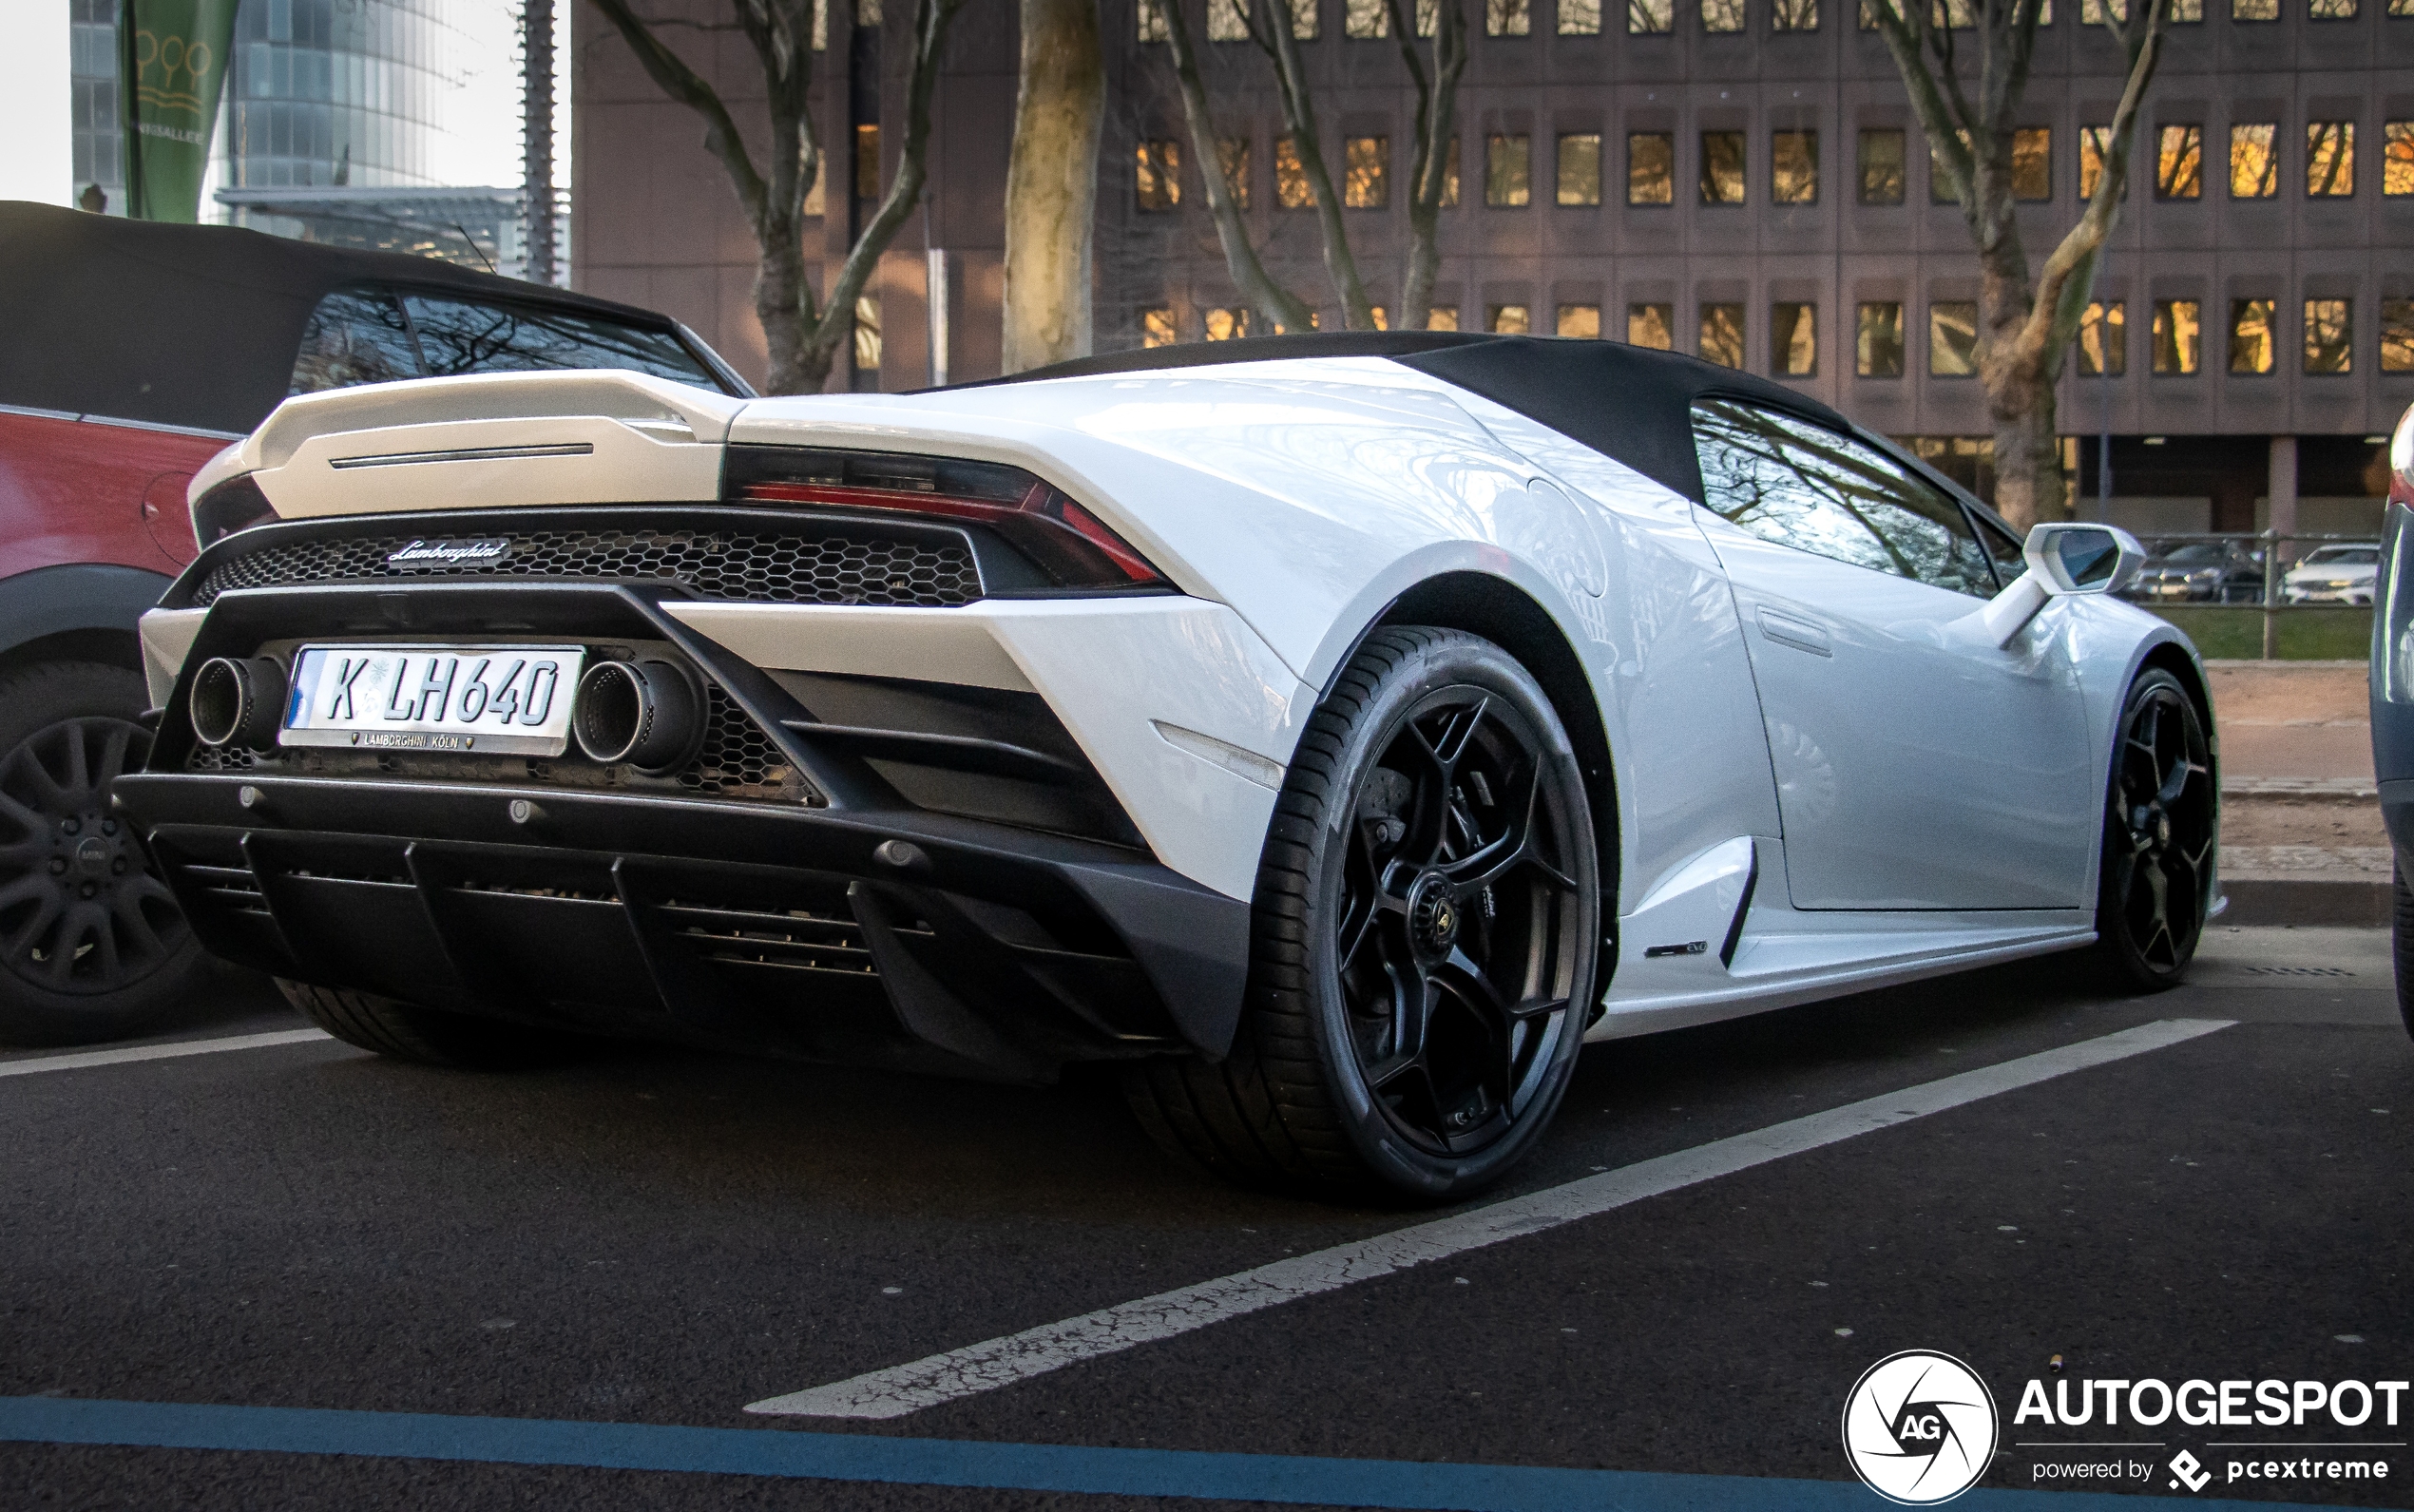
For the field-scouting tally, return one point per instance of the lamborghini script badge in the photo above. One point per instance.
(448, 554)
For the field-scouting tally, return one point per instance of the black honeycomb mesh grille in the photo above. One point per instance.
(753, 566)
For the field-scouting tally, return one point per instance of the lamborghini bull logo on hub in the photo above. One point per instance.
(1919, 1428)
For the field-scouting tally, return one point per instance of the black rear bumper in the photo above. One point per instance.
(895, 937)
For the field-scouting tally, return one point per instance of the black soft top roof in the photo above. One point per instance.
(189, 325)
(1632, 403)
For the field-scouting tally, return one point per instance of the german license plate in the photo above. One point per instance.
(503, 699)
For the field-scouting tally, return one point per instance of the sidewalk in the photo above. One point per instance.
(2301, 835)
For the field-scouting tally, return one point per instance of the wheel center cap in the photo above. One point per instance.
(92, 856)
(1434, 915)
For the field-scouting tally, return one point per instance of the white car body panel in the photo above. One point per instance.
(1290, 503)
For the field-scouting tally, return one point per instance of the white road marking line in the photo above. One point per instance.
(159, 1052)
(995, 1363)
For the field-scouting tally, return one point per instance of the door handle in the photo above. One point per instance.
(1791, 630)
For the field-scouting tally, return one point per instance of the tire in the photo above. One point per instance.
(1423, 940)
(2401, 944)
(92, 945)
(2160, 829)
(405, 1031)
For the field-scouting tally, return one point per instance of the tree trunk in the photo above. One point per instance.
(1051, 184)
(2028, 460)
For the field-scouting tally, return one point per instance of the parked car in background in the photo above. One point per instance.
(2199, 572)
(133, 354)
(2333, 574)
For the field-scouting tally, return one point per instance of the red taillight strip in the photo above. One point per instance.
(1043, 505)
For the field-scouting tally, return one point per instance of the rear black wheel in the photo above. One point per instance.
(2401, 944)
(92, 945)
(405, 1031)
(2159, 826)
(1425, 940)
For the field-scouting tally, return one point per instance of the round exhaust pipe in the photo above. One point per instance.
(641, 713)
(238, 700)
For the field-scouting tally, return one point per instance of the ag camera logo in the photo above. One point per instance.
(1920, 1428)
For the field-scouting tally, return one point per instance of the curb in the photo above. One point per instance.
(2357, 905)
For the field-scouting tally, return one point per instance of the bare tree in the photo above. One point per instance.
(1282, 308)
(802, 334)
(1270, 28)
(1051, 184)
(2024, 325)
(1429, 172)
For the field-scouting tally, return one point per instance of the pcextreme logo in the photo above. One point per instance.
(1919, 1428)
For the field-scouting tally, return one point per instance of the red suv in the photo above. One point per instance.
(131, 353)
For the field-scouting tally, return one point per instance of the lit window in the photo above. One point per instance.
(1292, 191)
(1226, 21)
(1153, 26)
(1441, 317)
(2397, 156)
(2103, 338)
(2330, 159)
(1646, 18)
(1793, 340)
(1651, 167)
(1793, 15)
(1580, 18)
(2184, 12)
(1722, 15)
(1382, 317)
(2092, 12)
(1580, 320)
(2178, 336)
(2180, 163)
(2330, 10)
(1580, 168)
(2396, 335)
(867, 334)
(1722, 335)
(1303, 20)
(1952, 338)
(867, 163)
(2329, 344)
(1655, 326)
(2254, 167)
(2033, 162)
(1878, 340)
(1509, 319)
(1508, 171)
(1722, 167)
(1881, 157)
(2255, 9)
(1450, 180)
(1156, 327)
(1227, 325)
(1507, 18)
(1157, 174)
(2402, 8)
(1366, 172)
(2251, 335)
(2095, 146)
(1958, 15)
(1232, 154)
(1364, 19)
(1793, 167)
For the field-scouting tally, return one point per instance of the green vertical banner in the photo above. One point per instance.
(171, 69)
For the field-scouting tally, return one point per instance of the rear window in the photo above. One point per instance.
(371, 335)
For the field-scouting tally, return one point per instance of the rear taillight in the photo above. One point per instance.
(1072, 546)
(235, 505)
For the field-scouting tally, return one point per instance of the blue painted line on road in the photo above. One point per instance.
(1297, 1479)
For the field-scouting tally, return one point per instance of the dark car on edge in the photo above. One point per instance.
(2198, 572)
(130, 353)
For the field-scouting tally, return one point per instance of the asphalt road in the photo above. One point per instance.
(650, 1237)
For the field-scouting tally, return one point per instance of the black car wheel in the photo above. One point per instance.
(2401, 944)
(2159, 825)
(1425, 940)
(92, 945)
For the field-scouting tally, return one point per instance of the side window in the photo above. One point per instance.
(2004, 547)
(462, 337)
(355, 335)
(1791, 482)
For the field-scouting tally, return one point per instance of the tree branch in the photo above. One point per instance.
(1279, 306)
(684, 85)
(1299, 114)
(2059, 310)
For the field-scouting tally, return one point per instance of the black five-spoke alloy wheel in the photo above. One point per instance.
(2160, 829)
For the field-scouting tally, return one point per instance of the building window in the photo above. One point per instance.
(2329, 338)
(1722, 15)
(867, 334)
(1226, 21)
(1648, 18)
(2330, 10)
(1793, 15)
(2183, 13)
(1651, 167)
(1157, 174)
(1952, 338)
(1292, 191)
(2330, 159)
(1793, 340)
(1655, 326)
(1722, 167)
(1227, 325)
(2254, 167)
(2102, 344)
(2095, 146)
(2251, 335)
(2180, 163)
(1508, 171)
(2396, 335)
(1722, 335)
(1580, 320)
(1303, 20)
(2033, 162)
(1153, 26)
(1232, 155)
(1156, 327)
(2178, 336)
(1441, 317)
(1793, 167)
(2091, 12)
(1580, 18)
(1506, 18)
(1881, 159)
(1450, 179)
(1509, 319)
(1363, 20)
(2397, 156)
(2402, 8)
(2255, 9)
(1580, 168)
(1959, 15)
(867, 163)
(1365, 173)
(1878, 340)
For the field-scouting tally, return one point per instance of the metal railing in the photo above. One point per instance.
(2255, 560)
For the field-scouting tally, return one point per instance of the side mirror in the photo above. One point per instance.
(2062, 559)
